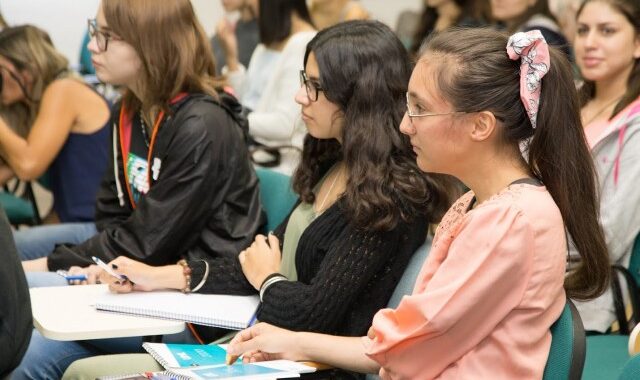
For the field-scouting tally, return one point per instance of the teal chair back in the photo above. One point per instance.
(634, 262)
(276, 196)
(408, 280)
(631, 276)
(568, 346)
(410, 275)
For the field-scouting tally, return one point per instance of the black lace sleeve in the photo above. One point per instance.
(347, 269)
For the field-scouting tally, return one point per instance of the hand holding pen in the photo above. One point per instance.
(125, 275)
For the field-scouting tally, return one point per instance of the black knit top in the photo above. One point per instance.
(345, 275)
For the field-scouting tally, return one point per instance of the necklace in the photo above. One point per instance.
(324, 200)
(592, 118)
(144, 130)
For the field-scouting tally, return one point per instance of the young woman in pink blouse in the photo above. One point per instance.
(494, 281)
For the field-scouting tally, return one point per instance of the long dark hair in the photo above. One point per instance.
(274, 18)
(541, 7)
(364, 70)
(485, 79)
(476, 10)
(630, 9)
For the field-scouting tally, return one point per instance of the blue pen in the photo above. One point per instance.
(79, 277)
(71, 277)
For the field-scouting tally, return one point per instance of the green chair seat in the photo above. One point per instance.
(19, 210)
(606, 356)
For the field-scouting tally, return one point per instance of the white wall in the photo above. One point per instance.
(66, 20)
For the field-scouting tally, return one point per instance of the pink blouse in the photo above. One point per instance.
(485, 298)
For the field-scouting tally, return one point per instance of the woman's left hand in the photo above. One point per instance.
(261, 259)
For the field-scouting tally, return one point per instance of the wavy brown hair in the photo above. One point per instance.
(630, 9)
(29, 48)
(486, 79)
(364, 69)
(174, 50)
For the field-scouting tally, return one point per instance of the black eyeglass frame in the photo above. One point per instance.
(102, 38)
(311, 86)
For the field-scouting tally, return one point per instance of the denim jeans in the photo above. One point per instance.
(36, 242)
(48, 359)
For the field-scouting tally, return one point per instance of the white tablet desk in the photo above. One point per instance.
(67, 313)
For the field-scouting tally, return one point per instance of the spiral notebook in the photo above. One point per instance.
(171, 355)
(230, 312)
(254, 371)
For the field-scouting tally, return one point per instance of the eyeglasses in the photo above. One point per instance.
(102, 38)
(412, 113)
(312, 87)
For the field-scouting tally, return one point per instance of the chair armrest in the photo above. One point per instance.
(619, 304)
(634, 341)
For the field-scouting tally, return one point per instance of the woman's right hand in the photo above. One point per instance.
(264, 342)
(225, 32)
(140, 276)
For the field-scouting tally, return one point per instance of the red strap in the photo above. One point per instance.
(126, 122)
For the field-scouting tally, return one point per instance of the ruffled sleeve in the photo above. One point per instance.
(470, 282)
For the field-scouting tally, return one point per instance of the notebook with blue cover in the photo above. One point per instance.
(171, 355)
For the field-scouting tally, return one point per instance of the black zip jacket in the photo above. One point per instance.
(15, 308)
(203, 200)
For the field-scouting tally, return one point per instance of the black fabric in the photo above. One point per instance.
(553, 38)
(205, 202)
(15, 306)
(345, 275)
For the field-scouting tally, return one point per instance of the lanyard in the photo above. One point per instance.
(126, 123)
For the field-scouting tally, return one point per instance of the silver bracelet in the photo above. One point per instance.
(204, 278)
(270, 282)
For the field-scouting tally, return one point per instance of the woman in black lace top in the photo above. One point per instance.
(364, 206)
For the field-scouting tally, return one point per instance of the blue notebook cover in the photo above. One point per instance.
(186, 355)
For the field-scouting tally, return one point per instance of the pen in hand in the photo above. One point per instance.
(108, 269)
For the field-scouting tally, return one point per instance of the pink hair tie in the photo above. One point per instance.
(533, 52)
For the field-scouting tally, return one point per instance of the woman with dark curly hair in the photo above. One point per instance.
(364, 207)
(495, 281)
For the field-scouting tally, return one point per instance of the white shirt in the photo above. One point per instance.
(273, 78)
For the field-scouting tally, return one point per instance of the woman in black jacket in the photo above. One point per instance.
(179, 184)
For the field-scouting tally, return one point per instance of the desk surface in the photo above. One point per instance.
(67, 313)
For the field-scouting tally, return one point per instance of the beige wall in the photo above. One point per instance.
(65, 20)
